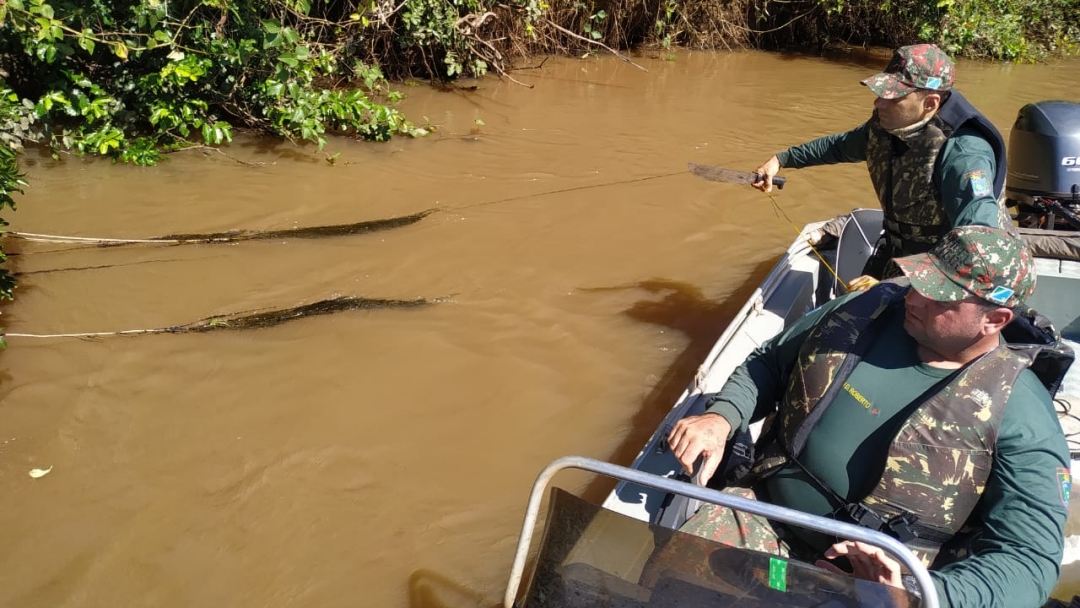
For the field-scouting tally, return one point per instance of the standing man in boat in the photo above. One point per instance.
(902, 409)
(935, 161)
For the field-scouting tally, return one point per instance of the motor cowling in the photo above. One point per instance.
(1044, 153)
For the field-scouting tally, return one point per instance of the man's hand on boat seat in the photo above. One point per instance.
(697, 436)
(867, 562)
(767, 172)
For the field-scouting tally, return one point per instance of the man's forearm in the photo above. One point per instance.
(848, 147)
(745, 390)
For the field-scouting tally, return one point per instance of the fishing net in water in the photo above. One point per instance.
(250, 320)
(232, 236)
(270, 318)
(311, 232)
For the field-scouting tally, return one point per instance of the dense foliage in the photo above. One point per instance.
(132, 79)
(10, 182)
(1013, 30)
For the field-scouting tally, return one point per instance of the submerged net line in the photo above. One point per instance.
(519, 197)
(257, 320)
(311, 232)
(233, 236)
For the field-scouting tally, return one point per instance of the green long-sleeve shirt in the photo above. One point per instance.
(965, 154)
(1023, 508)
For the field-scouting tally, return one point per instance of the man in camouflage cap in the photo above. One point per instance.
(903, 409)
(935, 161)
(974, 261)
(922, 66)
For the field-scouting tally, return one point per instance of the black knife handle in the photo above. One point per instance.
(777, 181)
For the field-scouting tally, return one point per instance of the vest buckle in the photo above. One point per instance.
(903, 527)
(864, 516)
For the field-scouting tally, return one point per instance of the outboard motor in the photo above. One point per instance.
(1043, 179)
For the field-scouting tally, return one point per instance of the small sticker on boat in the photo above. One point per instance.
(1064, 478)
(777, 574)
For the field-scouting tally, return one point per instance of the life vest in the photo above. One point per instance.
(938, 463)
(902, 172)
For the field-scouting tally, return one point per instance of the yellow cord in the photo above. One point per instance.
(780, 212)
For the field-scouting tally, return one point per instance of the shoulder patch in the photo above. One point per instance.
(980, 184)
(1064, 478)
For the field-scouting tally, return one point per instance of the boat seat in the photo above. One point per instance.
(1067, 403)
(1055, 297)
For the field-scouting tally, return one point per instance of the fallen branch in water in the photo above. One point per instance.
(596, 42)
(258, 320)
(311, 232)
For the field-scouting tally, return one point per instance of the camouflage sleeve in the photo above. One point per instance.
(1023, 510)
(966, 182)
(849, 147)
(753, 389)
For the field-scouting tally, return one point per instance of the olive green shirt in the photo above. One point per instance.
(1022, 510)
(964, 154)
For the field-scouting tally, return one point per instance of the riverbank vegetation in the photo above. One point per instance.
(11, 182)
(135, 79)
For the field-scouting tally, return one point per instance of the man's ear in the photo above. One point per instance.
(932, 102)
(996, 319)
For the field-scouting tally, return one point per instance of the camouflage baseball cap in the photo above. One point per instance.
(920, 66)
(988, 263)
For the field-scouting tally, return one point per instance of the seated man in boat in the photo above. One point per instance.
(903, 409)
(935, 161)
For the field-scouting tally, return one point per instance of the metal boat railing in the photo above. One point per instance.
(789, 516)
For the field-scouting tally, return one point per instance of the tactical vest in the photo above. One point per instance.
(939, 462)
(902, 172)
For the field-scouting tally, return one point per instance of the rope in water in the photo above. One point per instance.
(780, 212)
(310, 232)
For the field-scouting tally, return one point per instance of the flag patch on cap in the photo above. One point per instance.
(980, 185)
(933, 83)
(1000, 295)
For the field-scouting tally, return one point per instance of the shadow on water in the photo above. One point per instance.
(873, 59)
(683, 308)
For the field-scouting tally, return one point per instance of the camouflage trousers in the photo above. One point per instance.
(738, 528)
(685, 550)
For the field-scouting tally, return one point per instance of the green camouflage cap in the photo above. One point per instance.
(988, 263)
(920, 66)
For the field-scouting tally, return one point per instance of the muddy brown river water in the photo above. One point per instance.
(383, 458)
